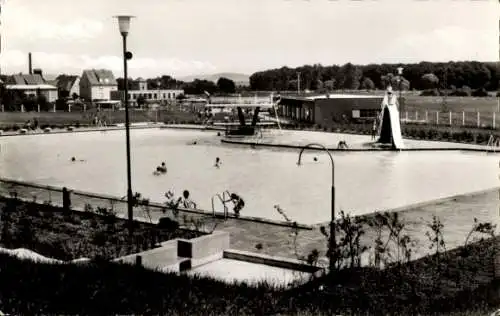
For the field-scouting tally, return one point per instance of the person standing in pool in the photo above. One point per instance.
(218, 162)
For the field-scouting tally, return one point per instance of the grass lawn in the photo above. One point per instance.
(459, 282)
(8, 119)
(66, 236)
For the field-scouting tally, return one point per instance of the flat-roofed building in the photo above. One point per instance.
(326, 110)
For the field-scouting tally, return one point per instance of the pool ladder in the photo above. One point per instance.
(223, 201)
(493, 143)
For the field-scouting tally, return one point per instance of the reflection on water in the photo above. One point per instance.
(365, 182)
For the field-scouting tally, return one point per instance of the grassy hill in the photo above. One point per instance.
(239, 79)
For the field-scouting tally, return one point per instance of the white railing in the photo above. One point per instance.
(450, 118)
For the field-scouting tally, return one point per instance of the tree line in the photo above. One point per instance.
(463, 75)
(197, 86)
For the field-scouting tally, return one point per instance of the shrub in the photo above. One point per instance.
(481, 92)
(422, 134)
(167, 223)
(430, 93)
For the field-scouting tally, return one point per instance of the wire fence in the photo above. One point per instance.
(450, 118)
(90, 202)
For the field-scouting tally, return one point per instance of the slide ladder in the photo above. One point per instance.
(276, 113)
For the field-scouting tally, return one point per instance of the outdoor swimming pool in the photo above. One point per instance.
(365, 181)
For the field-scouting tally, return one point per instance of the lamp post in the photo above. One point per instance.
(400, 79)
(124, 26)
(332, 241)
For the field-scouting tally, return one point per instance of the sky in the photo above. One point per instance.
(186, 37)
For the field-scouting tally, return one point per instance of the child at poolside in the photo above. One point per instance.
(184, 201)
(238, 203)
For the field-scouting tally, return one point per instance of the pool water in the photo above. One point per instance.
(263, 177)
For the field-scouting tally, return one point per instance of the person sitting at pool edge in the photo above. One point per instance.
(184, 201)
(238, 203)
(342, 145)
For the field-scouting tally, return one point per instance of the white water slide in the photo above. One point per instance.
(390, 127)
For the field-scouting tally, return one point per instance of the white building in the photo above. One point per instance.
(140, 89)
(97, 85)
(33, 85)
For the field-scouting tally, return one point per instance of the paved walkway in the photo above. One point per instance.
(457, 214)
(84, 129)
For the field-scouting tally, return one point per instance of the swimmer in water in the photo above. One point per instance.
(315, 158)
(73, 159)
(162, 168)
(218, 162)
(195, 142)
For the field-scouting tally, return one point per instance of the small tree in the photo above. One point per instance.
(329, 85)
(226, 85)
(481, 229)
(435, 236)
(367, 84)
(348, 248)
(429, 81)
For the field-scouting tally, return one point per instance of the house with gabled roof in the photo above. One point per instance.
(68, 85)
(97, 84)
(31, 84)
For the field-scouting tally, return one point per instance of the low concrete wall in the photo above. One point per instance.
(371, 149)
(279, 262)
(158, 258)
(204, 246)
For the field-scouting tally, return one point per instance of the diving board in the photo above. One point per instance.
(390, 129)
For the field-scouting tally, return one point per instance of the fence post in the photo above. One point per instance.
(426, 116)
(493, 120)
(463, 118)
(38, 108)
(416, 115)
(437, 118)
(406, 116)
(478, 119)
(450, 118)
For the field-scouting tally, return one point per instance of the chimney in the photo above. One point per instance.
(30, 68)
(37, 71)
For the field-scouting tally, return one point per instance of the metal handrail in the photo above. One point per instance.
(221, 198)
(493, 142)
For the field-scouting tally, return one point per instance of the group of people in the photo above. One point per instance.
(100, 121)
(185, 201)
(29, 125)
